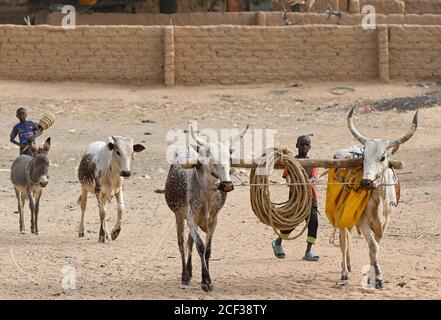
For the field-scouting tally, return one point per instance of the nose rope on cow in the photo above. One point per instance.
(296, 210)
(304, 184)
(244, 184)
(382, 179)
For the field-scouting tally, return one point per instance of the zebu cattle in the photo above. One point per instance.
(198, 194)
(29, 175)
(101, 172)
(380, 178)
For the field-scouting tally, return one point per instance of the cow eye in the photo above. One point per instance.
(118, 153)
(382, 158)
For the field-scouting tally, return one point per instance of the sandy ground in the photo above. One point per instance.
(144, 263)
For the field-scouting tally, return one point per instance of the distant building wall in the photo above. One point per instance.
(201, 55)
(101, 54)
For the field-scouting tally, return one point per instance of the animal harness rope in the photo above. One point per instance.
(297, 209)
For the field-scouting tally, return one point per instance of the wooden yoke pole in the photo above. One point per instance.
(311, 163)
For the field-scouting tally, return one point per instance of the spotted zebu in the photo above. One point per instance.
(101, 172)
(378, 176)
(198, 194)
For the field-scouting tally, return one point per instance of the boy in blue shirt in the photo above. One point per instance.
(27, 131)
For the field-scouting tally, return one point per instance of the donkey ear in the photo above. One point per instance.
(47, 145)
(110, 146)
(138, 148)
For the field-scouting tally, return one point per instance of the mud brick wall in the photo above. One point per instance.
(224, 54)
(234, 18)
(423, 6)
(414, 52)
(101, 54)
(13, 11)
(385, 6)
(235, 55)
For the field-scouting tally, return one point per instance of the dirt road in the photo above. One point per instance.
(144, 263)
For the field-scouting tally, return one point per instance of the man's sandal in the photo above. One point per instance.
(278, 250)
(310, 256)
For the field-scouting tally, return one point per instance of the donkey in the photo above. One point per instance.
(29, 175)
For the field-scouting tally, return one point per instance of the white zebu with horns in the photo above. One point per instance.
(378, 176)
(102, 169)
(198, 194)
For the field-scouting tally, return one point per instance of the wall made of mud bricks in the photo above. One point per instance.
(423, 6)
(102, 54)
(219, 54)
(414, 52)
(236, 55)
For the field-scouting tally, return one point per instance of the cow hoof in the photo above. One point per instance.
(81, 234)
(115, 233)
(379, 284)
(185, 279)
(185, 282)
(36, 233)
(207, 287)
(103, 240)
(22, 231)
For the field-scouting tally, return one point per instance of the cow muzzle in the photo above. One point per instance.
(367, 184)
(226, 186)
(125, 174)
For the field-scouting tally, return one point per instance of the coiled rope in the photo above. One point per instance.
(297, 209)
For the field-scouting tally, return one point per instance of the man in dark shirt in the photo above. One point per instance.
(27, 131)
(303, 145)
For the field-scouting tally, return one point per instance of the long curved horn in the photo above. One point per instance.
(408, 134)
(354, 131)
(395, 149)
(198, 140)
(236, 138)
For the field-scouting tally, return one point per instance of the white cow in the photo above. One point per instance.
(197, 195)
(378, 176)
(101, 172)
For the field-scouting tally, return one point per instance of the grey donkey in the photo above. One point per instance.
(29, 175)
(197, 195)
